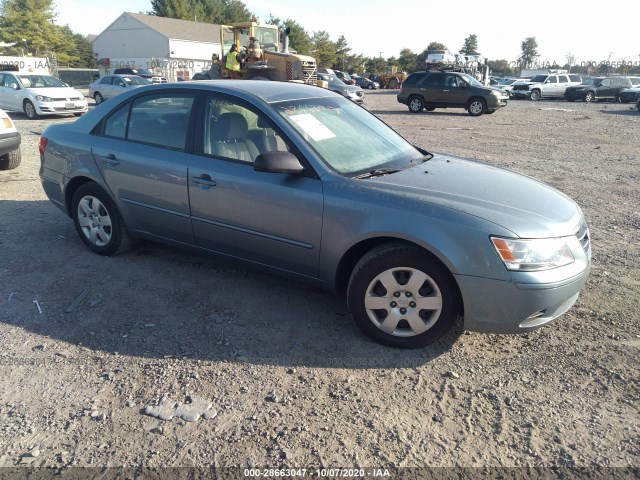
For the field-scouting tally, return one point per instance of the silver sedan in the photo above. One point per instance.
(299, 181)
(111, 85)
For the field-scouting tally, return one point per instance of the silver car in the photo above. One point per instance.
(298, 180)
(111, 85)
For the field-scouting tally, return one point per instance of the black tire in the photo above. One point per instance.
(98, 98)
(393, 83)
(370, 86)
(429, 109)
(589, 97)
(11, 160)
(477, 106)
(109, 240)
(399, 263)
(416, 104)
(30, 110)
(535, 95)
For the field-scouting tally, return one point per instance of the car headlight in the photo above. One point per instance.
(533, 255)
(41, 98)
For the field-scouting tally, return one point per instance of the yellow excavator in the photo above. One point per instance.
(261, 55)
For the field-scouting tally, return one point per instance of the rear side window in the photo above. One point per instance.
(575, 78)
(160, 120)
(433, 80)
(414, 78)
(563, 79)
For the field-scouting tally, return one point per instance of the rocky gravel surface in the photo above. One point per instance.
(160, 358)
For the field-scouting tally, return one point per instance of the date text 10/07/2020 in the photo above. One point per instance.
(587, 64)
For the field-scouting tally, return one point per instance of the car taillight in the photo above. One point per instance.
(43, 144)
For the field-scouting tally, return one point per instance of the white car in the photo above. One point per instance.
(9, 143)
(37, 94)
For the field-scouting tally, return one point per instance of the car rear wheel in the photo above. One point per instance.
(98, 98)
(402, 297)
(370, 86)
(30, 110)
(535, 95)
(416, 104)
(98, 221)
(589, 97)
(477, 106)
(11, 160)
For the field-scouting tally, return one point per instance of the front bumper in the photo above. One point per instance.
(507, 307)
(493, 102)
(9, 142)
(59, 107)
(521, 93)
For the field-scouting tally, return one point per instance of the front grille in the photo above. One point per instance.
(583, 237)
(71, 99)
(521, 87)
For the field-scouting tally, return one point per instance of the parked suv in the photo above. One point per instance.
(546, 86)
(598, 88)
(431, 90)
(141, 72)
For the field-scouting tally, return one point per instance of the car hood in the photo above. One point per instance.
(55, 92)
(632, 89)
(520, 204)
(347, 88)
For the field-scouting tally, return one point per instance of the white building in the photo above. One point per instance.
(168, 47)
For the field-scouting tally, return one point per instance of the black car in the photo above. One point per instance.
(444, 89)
(598, 88)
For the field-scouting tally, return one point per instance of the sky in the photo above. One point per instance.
(382, 28)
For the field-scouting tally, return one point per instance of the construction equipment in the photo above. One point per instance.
(391, 78)
(262, 56)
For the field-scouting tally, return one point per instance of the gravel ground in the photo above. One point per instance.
(275, 371)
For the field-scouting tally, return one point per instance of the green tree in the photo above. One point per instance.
(74, 50)
(377, 65)
(470, 46)
(342, 52)
(30, 23)
(407, 60)
(500, 67)
(324, 50)
(433, 46)
(208, 11)
(355, 63)
(529, 53)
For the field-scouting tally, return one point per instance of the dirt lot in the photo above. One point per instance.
(292, 380)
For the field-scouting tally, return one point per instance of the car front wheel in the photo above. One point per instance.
(416, 104)
(589, 97)
(402, 297)
(98, 221)
(477, 107)
(535, 95)
(30, 110)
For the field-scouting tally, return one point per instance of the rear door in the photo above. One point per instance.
(605, 90)
(140, 150)
(563, 83)
(431, 88)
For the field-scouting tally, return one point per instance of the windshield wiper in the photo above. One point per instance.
(426, 158)
(378, 172)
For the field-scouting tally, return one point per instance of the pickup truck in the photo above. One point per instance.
(546, 86)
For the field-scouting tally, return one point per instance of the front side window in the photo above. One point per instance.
(237, 133)
(346, 137)
(552, 79)
(606, 82)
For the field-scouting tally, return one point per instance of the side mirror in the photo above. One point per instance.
(278, 162)
(15, 86)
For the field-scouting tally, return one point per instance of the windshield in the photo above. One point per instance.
(347, 138)
(268, 37)
(136, 81)
(472, 81)
(539, 78)
(40, 81)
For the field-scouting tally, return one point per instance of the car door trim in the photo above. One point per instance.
(151, 207)
(289, 241)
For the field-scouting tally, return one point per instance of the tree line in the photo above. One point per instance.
(31, 25)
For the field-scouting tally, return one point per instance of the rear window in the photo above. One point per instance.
(575, 78)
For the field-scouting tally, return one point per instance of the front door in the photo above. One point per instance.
(268, 218)
(454, 92)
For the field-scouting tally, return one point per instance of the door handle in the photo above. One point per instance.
(204, 180)
(110, 159)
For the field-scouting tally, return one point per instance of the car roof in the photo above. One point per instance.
(266, 90)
